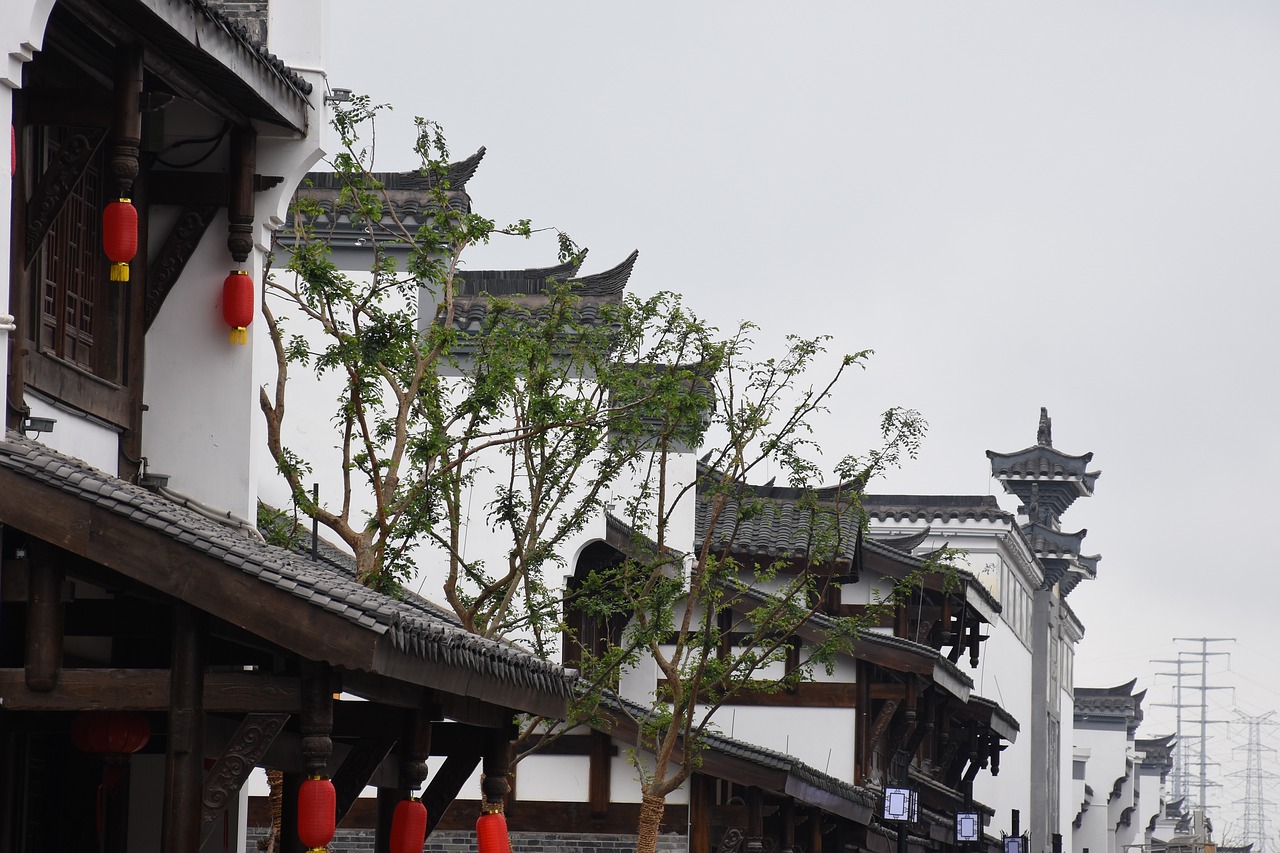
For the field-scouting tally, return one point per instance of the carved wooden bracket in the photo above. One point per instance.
(245, 749)
(881, 724)
(54, 188)
(178, 247)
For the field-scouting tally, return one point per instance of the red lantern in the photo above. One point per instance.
(237, 304)
(110, 732)
(408, 827)
(317, 813)
(120, 236)
(491, 833)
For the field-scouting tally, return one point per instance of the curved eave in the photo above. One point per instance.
(180, 35)
(611, 282)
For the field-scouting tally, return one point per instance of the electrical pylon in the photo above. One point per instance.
(1255, 802)
(1185, 784)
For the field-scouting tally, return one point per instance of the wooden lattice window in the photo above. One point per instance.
(78, 308)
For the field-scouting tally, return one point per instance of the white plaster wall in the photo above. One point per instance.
(77, 435)
(1106, 764)
(823, 738)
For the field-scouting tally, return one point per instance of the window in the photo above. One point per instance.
(78, 309)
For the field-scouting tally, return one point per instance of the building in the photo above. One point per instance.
(153, 649)
(1030, 566)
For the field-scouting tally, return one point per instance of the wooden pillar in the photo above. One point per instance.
(415, 749)
(240, 201)
(815, 830)
(598, 774)
(45, 616)
(495, 765)
(701, 798)
(788, 826)
(19, 290)
(184, 748)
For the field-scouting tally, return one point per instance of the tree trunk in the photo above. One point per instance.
(651, 808)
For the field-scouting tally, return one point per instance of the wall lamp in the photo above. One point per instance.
(338, 96)
(37, 425)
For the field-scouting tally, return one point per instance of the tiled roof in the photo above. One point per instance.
(194, 36)
(237, 31)
(1110, 703)
(930, 508)
(407, 199)
(593, 292)
(760, 756)
(779, 529)
(526, 282)
(412, 629)
(821, 622)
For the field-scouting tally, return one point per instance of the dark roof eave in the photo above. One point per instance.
(143, 537)
(261, 89)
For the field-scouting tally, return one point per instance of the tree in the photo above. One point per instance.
(713, 625)
(424, 411)
(557, 410)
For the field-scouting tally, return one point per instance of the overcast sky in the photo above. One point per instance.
(1016, 205)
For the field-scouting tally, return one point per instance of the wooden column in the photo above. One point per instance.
(701, 798)
(45, 616)
(184, 748)
(240, 202)
(815, 830)
(495, 765)
(415, 749)
(599, 774)
(19, 289)
(788, 826)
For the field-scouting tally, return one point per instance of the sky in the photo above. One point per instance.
(1015, 205)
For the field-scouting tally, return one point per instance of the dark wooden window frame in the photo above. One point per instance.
(79, 383)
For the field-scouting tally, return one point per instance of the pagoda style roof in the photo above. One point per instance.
(930, 508)
(1109, 705)
(1046, 480)
(278, 595)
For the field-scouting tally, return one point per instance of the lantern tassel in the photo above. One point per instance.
(119, 272)
(239, 335)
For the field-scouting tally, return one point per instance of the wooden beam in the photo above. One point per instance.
(243, 752)
(358, 768)
(448, 781)
(85, 107)
(148, 690)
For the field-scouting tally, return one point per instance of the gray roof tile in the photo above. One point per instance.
(414, 627)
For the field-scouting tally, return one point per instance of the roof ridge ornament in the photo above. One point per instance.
(1044, 435)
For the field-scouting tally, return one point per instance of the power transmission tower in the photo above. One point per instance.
(1200, 760)
(1181, 771)
(1255, 802)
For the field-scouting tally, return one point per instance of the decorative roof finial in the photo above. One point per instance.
(1044, 435)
